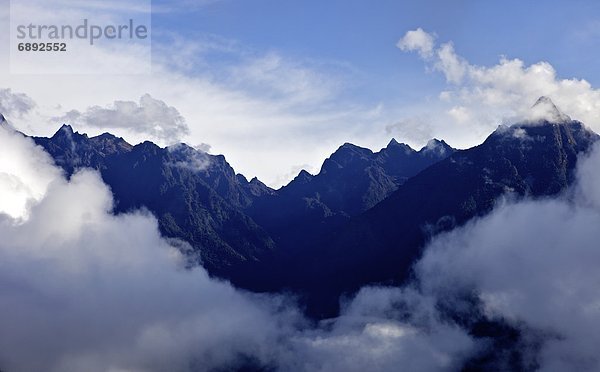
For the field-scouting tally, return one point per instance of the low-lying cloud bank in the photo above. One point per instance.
(83, 289)
(535, 265)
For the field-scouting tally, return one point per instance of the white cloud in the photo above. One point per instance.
(452, 65)
(14, 104)
(291, 82)
(533, 264)
(181, 6)
(495, 94)
(263, 109)
(418, 40)
(18, 156)
(150, 117)
(418, 128)
(194, 159)
(119, 297)
(75, 269)
(83, 289)
(460, 114)
(381, 329)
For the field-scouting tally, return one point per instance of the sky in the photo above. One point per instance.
(277, 86)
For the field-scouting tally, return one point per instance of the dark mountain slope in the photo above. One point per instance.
(195, 196)
(228, 220)
(363, 219)
(381, 244)
(354, 179)
(72, 150)
(351, 180)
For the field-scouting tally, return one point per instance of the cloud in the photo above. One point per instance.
(545, 110)
(15, 104)
(460, 114)
(435, 147)
(246, 102)
(151, 117)
(533, 264)
(295, 170)
(419, 128)
(84, 289)
(452, 65)
(265, 109)
(418, 40)
(181, 6)
(34, 174)
(381, 329)
(291, 82)
(477, 98)
(194, 159)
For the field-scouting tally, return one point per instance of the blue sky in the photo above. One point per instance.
(363, 33)
(277, 86)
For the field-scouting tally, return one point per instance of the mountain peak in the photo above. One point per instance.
(105, 135)
(303, 177)
(436, 146)
(64, 129)
(394, 143)
(304, 174)
(435, 142)
(544, 100)
(2, 119)
(545, 109)
(109, 142)
(346, 153)
(348, 145)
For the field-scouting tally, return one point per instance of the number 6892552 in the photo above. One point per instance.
(42, 47)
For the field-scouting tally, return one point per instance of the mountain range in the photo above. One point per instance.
(363, 219)
(235, 226)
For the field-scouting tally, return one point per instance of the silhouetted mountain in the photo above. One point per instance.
(351, 180)
(533, 159)
(364, 218)
(72, 150)
(231, 223)
(195, 196)
(354, 179)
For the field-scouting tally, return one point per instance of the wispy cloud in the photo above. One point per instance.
(265, 110)
(162, 6)
(478, 98)
(150, 117)
(14, 104)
